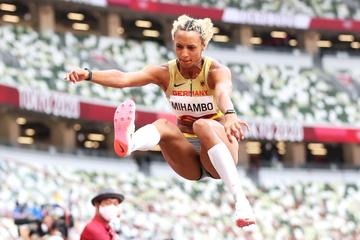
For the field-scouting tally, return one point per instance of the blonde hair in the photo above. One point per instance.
(203, 26)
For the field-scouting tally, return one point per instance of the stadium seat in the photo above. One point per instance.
(278, 91)
(169, 208)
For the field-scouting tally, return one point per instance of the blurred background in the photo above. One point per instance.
(296, 77)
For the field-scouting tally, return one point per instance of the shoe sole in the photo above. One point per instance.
(244, 222)
(123, 119)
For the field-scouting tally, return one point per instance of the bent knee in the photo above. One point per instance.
(201, 125)
(161, 122)
(166, 128)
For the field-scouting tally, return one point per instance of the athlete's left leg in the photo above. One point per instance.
(219, 157)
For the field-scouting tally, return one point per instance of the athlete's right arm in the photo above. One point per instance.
(118, 79)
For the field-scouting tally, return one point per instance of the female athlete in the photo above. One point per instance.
(204, 142)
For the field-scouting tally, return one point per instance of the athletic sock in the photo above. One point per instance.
(145, 138)
(223, 163)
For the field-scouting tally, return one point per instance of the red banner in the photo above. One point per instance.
(119, 2)
(331, 134)
(96, 112)
(259, 129)
(9, 96)
(335, 24)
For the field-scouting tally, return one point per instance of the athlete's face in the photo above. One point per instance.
(188, 48)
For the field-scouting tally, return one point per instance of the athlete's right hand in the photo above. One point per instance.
(76, 75)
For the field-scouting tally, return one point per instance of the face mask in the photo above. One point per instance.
(108, 212)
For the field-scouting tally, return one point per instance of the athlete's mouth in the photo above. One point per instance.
(185, 61)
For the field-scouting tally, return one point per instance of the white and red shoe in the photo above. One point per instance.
(244, 215)
(124, 127)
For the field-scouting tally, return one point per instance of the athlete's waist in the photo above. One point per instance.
(186, 123)
(189, 135)
(189, 119)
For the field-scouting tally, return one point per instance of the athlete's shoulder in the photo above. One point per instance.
(216, 66)
(156, 70)
(159, 74)
(171, 61)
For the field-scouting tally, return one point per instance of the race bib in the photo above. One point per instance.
(193, 106)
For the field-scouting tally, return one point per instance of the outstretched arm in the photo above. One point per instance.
(118, 79)
(221, 78)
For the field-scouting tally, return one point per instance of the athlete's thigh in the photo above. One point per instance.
(233, 146)
(178, 152)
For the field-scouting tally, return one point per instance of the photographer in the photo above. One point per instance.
(42, 221)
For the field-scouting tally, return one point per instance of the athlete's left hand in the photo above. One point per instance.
(234, 127)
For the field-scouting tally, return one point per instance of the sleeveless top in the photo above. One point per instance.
(191, 99)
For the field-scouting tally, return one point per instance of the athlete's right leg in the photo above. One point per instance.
(177, 151)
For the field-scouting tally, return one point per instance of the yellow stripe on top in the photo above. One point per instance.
(190, 135)
(191, 99)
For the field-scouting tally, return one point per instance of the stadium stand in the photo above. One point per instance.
(42, 64)
(345, 73)
(280, 84)
(294, 93)
(166, 207)
(281, 90)
(323, 8)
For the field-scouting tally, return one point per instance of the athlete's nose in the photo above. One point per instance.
(184, 55)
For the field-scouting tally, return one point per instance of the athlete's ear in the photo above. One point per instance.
(203, 46)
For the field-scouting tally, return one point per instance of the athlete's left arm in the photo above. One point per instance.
(222, 83)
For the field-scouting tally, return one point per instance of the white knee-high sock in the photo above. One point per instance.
(223, 162)
(145, 138)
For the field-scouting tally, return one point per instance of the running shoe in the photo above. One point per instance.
(124, 127)
(244, 215)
